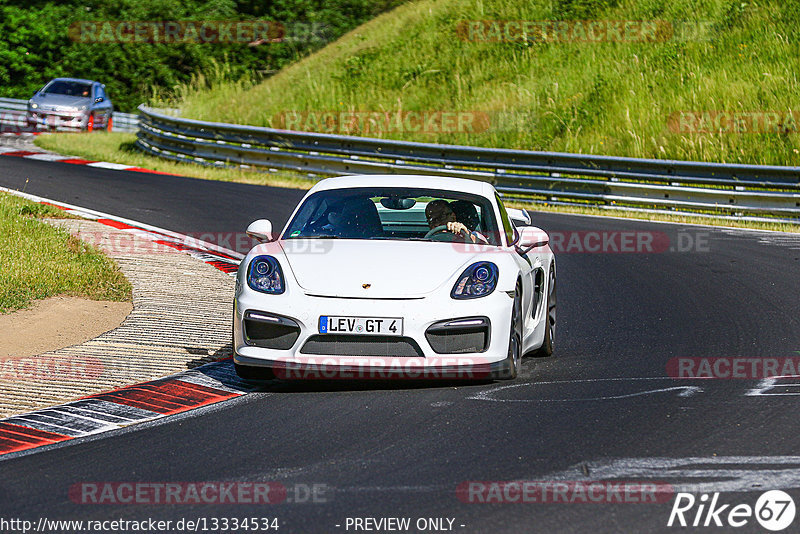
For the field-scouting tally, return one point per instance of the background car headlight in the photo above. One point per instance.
(265, 275)
(478, 280)
(34, 105)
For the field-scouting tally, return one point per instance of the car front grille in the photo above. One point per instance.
(354, 345)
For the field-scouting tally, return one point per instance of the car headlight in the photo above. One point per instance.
(34, 105)
(477, 280)
(265, 275)
(83, 108)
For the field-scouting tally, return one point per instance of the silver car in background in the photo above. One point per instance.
(72, 104)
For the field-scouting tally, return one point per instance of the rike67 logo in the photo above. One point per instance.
(774, 510)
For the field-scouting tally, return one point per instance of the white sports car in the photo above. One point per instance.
(395, 277)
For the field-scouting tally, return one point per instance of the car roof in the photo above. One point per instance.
(73, 80)
(402, 180)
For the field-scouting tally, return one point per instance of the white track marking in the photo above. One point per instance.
(685, 391)
(729, 473)
(107, 165)
(767, 384)
(93, 214)
(46, 157)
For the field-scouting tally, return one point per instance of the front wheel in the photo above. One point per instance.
(550, 327)
(514, 359)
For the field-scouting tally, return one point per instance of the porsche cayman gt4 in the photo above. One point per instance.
(395, 277)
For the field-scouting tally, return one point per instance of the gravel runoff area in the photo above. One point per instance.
(22, 141)
(181, 318)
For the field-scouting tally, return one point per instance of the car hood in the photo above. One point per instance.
(391, 269)
(48, 101)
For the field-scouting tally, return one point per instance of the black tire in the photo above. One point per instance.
(249, 372)
(550, 328)
(514, 358)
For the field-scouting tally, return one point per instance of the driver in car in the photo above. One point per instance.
(467, 213)
(440, 214)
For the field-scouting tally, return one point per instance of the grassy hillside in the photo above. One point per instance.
(43, 39)
(560, 94)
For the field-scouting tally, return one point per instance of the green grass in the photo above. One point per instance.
(39, 261)
(602, 98)
(120, 148)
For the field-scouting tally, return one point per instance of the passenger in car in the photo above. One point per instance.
(356, 218)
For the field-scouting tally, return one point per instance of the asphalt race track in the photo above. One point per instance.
(603, 407)
(178, 204)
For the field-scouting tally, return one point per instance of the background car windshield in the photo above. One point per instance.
(392, 213)
(61, 87)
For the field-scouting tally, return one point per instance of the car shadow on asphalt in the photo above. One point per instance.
(341, 385)
(224, 373)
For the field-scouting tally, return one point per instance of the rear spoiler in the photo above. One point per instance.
(519, 217)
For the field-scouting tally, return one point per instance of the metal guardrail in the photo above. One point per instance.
(13, 104)
(744, 191)
(125, 122)
(12, 118)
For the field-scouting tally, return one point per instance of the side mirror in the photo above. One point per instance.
(530, 238)
(260, 230)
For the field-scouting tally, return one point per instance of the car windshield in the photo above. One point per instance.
(402, 214)
(63, 87)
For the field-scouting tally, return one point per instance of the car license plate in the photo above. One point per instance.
(370, 326)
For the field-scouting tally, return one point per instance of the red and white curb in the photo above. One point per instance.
(47, 156)
(224, 259)
(208, 384)
(103, 412)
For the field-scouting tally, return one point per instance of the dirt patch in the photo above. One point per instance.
(58, 322)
